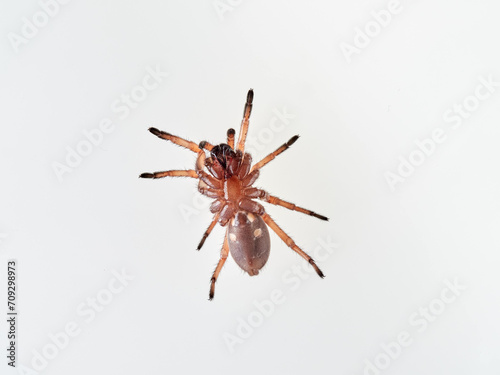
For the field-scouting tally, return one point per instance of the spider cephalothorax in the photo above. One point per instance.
(228, 178)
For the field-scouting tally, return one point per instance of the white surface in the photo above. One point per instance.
(395, 249)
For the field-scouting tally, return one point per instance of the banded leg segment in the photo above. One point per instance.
(177, 173)
(244, 123)
(223, 256)
(280, 202)
(272, 155)
(174, 139)
(290, 243)
(208, 231)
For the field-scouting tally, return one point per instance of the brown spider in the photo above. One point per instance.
(229, 182)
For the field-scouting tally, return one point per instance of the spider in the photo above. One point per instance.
(228, 178)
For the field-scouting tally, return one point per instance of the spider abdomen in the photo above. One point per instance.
(248, 240)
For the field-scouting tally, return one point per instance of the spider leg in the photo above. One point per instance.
(211, 193)
(174, 139)
(286, 239)
(244, 123)
(263, 195)
(177, 173)
(209, 180)
(275, 153)
(223, 256)
(209, 230)
(230, 138)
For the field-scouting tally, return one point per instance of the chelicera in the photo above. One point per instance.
(227, 176)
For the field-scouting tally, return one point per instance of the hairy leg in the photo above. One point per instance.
(264, 195)
(177, 173)
(223, 256)
(174, 139)
(290, 243)
(244, 123)
(208, 231)
(275, 153)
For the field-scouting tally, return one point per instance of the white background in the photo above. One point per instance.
(394, 252)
